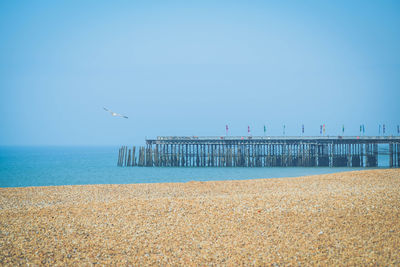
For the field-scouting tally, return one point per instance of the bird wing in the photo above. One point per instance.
(115, 114)
(111, 112)
(120, 115)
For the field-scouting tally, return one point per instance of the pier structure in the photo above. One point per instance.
(262, 151)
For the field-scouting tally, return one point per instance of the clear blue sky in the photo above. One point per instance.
(191, 67)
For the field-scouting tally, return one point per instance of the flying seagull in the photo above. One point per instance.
(115, 114)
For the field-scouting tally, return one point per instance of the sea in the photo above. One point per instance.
(56, 165)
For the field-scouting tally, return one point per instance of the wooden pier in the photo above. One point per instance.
(262, 151)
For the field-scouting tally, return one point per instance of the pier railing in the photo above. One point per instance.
(238, 138)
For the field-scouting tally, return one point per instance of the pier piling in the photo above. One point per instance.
(261, 152)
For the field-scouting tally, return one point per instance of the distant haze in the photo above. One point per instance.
(191, 67)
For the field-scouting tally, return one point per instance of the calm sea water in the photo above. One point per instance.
(43, 166)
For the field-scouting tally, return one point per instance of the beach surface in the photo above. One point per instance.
(350, 218)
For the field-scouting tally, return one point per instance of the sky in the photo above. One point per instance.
(189, 68)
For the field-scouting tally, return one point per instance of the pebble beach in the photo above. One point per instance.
(350, 218)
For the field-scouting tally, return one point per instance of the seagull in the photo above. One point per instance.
(115, 114)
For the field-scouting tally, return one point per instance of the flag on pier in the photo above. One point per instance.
(248, 129)
(342, 129)
(227, 128)
(284, 128)
(323, 128)
(320, 129)
(379, 129)
(360, 128)
(302, 128)
(363, 129)
(384, 129)
(265, 129)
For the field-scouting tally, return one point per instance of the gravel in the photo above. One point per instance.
(350, 218)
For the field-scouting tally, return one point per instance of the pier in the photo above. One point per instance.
(262, 151)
